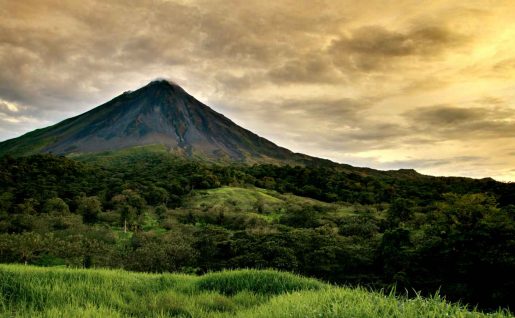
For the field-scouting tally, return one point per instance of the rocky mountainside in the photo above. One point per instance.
(161, 113)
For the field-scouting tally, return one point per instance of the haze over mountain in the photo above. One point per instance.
(161, 113)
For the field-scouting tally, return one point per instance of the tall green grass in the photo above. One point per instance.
(27, 291)
(265, 282)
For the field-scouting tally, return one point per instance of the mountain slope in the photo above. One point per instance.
(160, 113)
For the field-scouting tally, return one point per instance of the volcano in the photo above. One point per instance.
(160, 113)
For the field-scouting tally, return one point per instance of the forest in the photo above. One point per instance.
(157, 213)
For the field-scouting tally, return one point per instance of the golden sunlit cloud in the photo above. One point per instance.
(406, 84)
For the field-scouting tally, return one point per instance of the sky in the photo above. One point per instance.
(427, 85)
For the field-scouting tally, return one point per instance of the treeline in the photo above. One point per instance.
(457, 239)
(160, 178)
(331, 183)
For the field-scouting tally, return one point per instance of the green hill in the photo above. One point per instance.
(27, 291)
(257, 202)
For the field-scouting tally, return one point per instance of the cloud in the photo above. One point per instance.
(7, 107)
(372, 48)
(320, 123)
(443, 116)
(306, 69)
(329, 78)
(430, 163)
(443, 121)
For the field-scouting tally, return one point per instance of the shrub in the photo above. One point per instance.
(262, 282)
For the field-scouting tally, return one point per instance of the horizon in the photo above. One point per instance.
(162, 79)
(430, 90)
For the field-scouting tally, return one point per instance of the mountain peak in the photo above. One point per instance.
(160, 113)
(163, 84)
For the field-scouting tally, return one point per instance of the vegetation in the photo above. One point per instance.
(27, 291)
(152, 212)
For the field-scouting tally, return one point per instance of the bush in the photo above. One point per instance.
(261, 282)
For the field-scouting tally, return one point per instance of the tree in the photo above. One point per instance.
(400, 211)
(128, 216)
(213, 245)
(157, 195)
(56, 206)
(395, 252)
(467, 248)
(6, 199)
(161, 210)
(26, 246)
(303, 217)
(260, 204)
(153, 253)
(134, 199)
(28, 206)
(89, 208)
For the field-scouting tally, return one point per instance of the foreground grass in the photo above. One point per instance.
(27, 291)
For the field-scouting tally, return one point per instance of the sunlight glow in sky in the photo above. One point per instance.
(428, 85)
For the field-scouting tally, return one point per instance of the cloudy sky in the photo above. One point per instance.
(428, 85)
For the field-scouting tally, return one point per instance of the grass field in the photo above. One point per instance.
(236, 199)
(27, 291)
(263, 203)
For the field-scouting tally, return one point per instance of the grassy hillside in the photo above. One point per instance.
(262, 203)
(237, 206)
(27, 291)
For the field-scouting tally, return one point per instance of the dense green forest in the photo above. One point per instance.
(157, 213)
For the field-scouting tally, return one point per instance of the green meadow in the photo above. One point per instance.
(28, 291)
